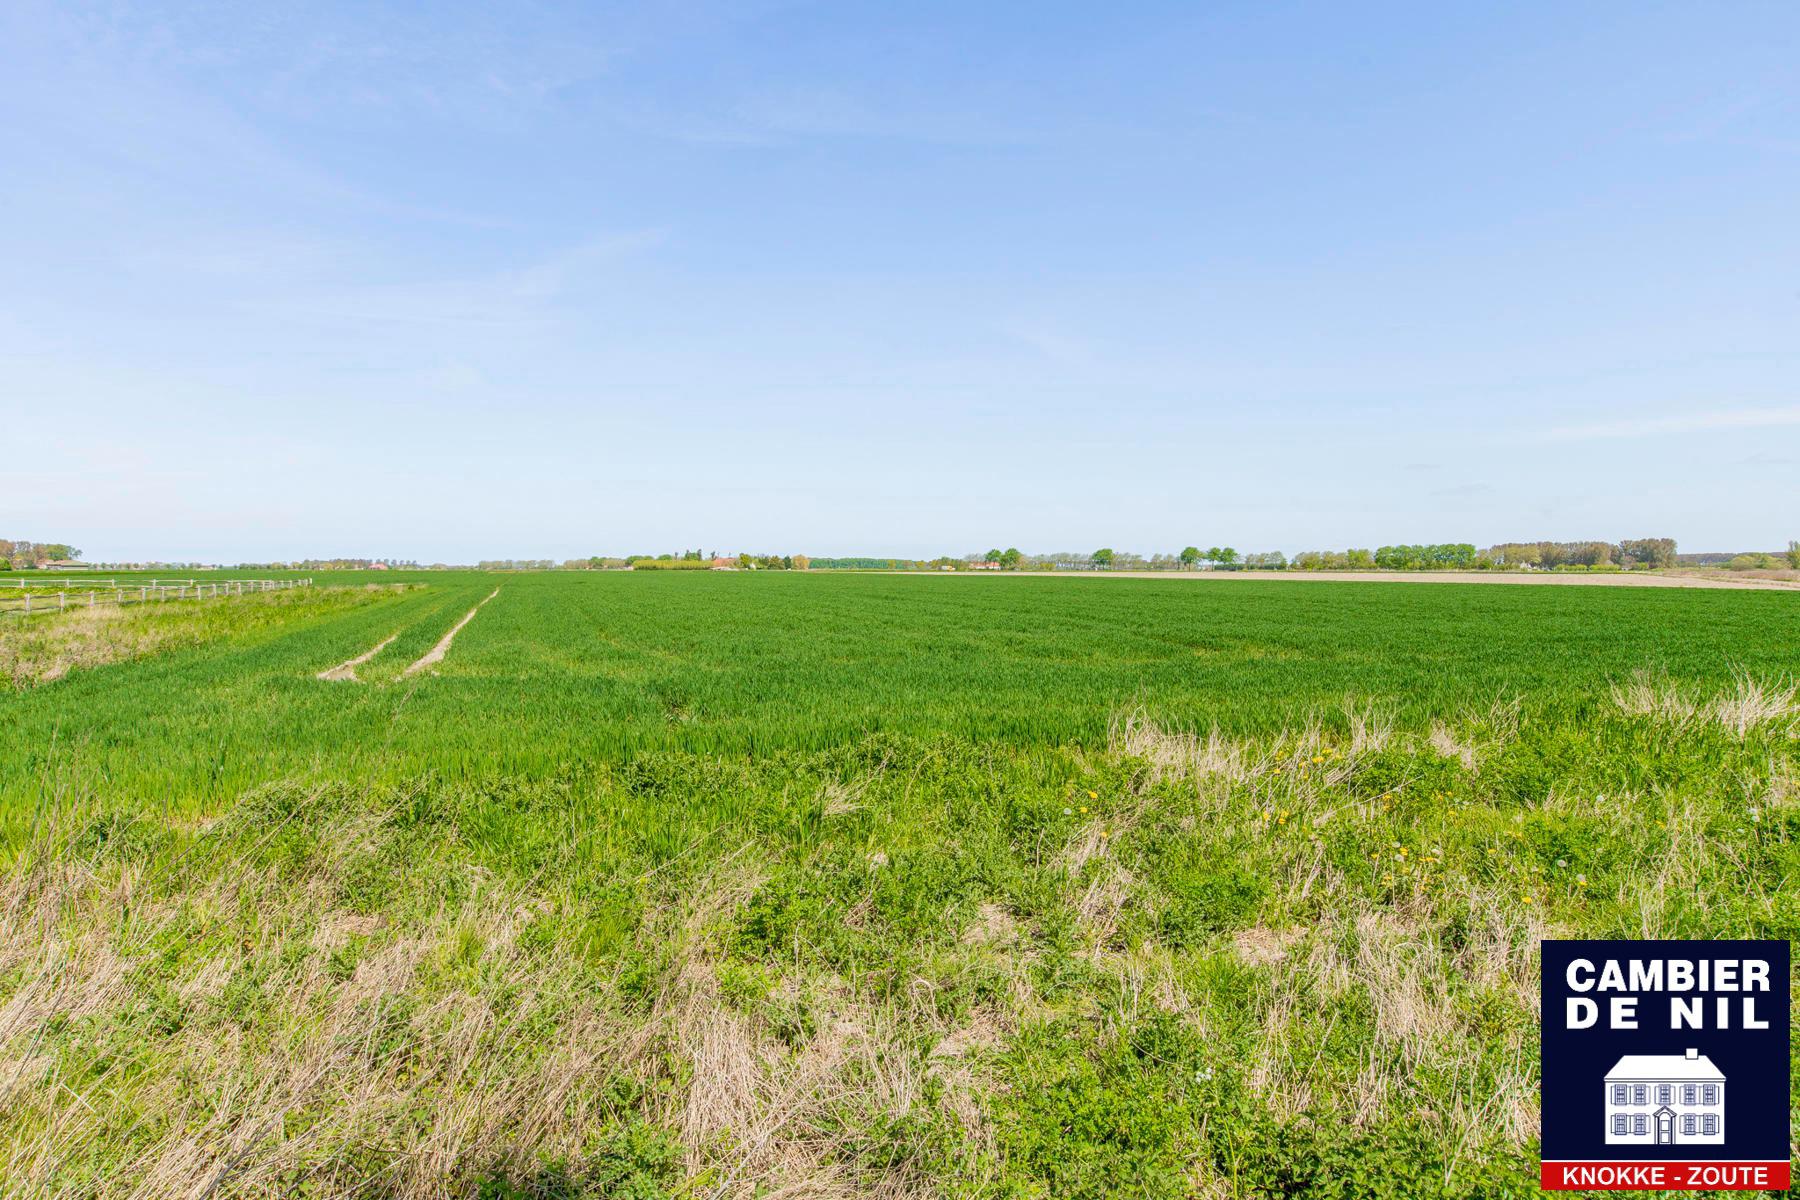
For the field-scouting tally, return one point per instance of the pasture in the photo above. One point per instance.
(697, 884)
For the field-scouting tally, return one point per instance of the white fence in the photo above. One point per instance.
(32, 597)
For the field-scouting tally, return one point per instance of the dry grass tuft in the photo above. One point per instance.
(993, 926)
(1748, 704)
(1173, 754)
(761, 1117)
(352, 1066)
(1103, 901)
(1445, 743)
(1752, 703)
(409, 1074)
(1370, 728)
(1262, 947)
(1478, 734)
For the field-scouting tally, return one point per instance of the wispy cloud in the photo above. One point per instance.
(529, 294)
(1699, 422)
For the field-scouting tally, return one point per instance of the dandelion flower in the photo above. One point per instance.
(1093, 795)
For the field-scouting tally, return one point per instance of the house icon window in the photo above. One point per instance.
(1665, 1100)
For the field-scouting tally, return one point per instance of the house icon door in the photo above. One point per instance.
(1665, 1126)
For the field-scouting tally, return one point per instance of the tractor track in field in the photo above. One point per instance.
(436, 654)
(346, 671)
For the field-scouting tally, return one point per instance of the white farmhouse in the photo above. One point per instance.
(1665, 1100)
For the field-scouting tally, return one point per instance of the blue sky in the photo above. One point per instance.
(462, 281)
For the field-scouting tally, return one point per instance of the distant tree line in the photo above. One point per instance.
(863, 564)
(1626, 554)
(346, 563)
(1105, 558)
(1758, 561)
(26, 556)
(1632, 553)
(695, 560)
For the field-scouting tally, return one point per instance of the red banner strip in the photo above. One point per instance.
(1641, 1176)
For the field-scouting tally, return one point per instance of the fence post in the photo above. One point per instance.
(62, 601)
(27, 600)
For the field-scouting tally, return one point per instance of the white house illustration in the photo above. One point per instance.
(1665, 1099)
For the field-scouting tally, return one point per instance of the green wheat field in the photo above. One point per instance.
(693, 884)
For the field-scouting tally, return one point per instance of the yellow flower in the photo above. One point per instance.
(1527, 897)
(1317, 759)
(1084, 810)
(1093, 795)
